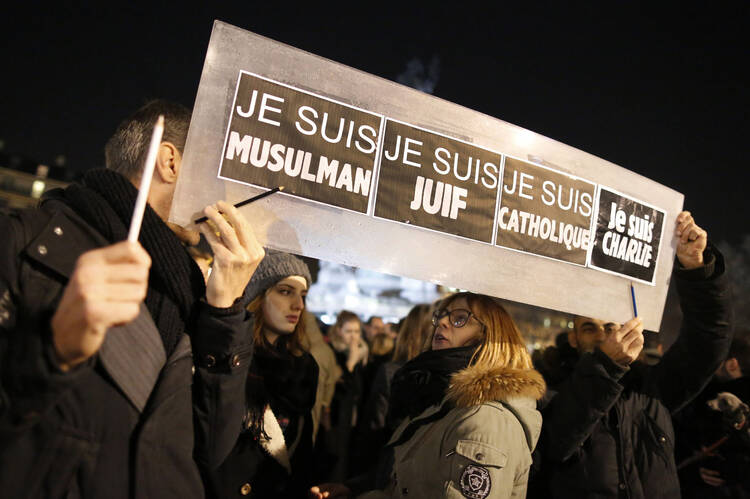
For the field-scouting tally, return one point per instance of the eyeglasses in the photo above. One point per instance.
(458, 317)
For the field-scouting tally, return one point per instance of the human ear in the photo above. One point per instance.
(168, 161)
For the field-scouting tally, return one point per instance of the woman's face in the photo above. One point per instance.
(350, 332)
(284, 303)
(448, 336)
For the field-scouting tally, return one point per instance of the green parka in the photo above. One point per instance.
(477, 444)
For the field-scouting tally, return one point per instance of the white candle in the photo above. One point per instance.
(148, 172)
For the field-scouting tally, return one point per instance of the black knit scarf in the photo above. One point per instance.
(105, 199)
(423, 381)
(278, 378)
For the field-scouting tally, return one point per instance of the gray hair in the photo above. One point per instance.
(125, 152)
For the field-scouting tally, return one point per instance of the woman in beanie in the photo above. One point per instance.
(272, 457)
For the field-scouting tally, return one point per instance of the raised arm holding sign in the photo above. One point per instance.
(608, 423)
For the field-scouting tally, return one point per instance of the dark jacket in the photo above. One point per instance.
(278, 464)
(373, 432)
(129, 422)
(698, 426)
(346, 409)
(376, 408)
(608, 429)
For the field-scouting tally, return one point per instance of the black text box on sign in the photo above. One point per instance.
(316, 148)
(545, 212)
(628, 235)
(439, 183)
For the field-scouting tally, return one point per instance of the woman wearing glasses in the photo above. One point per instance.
(469, 405)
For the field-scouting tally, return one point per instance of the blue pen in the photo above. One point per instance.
(632, 295)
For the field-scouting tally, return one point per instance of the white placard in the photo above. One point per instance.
(295, 89)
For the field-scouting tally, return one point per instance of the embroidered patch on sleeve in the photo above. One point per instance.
(475, 482)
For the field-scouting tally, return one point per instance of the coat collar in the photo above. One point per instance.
(62, 241)
(476, 385)
(515, 389)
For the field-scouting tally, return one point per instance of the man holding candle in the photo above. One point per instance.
(121, 370)
(607, 427)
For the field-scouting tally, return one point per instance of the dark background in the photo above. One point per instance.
(659, 89)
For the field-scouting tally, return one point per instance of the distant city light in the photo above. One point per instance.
(37, 189)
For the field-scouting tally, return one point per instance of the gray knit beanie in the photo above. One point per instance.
(275, 266)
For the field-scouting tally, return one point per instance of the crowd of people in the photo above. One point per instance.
(186, 365)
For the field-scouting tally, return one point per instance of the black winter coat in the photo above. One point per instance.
(100, 430)
(608, 429)
(346, 409)
(279, 466)
(698, 426)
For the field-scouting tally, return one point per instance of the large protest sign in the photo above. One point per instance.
(401, 182)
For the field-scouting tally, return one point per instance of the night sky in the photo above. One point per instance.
(662, 91)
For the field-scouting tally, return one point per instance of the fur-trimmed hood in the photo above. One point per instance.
(516, 389)
(476, 385)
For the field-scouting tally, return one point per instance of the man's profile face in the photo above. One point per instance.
(589, 333)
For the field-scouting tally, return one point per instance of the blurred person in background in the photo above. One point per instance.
(392, 329)
(381, 351)
(329, 372)
(373, 327)
(362, 454)
(413, 339)
(351, 355)
(724, 470)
